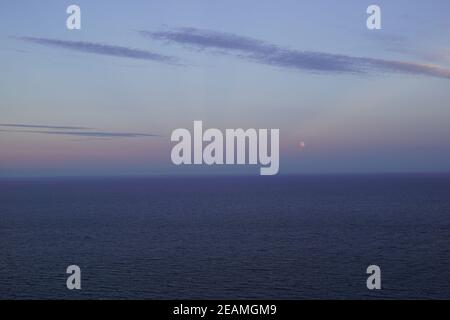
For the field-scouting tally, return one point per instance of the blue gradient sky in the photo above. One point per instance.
(127, 90)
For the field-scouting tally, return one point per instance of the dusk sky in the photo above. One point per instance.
(104, 100)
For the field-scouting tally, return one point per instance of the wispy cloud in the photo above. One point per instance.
(266, 53)
(20, 125)
(440, 55)
(98, 134)
(403, 45)
(102, 49)
(71, 131)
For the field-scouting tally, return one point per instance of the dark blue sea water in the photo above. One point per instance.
(226, 237)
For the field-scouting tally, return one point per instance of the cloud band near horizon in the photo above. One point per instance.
(21, 125)
(69, 130)
(86, 133)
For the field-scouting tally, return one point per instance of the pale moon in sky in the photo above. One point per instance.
(302, 144)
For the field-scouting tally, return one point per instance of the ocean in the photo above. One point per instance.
(219, 237)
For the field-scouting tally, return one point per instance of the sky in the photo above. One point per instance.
(104, 100)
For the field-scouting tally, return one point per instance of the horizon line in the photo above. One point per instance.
(219, 175)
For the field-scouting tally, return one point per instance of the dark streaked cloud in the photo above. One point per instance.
(20, 125)
(96, 134)
(70, 131)
(99, 134)
(270, 54)
(102, 49)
